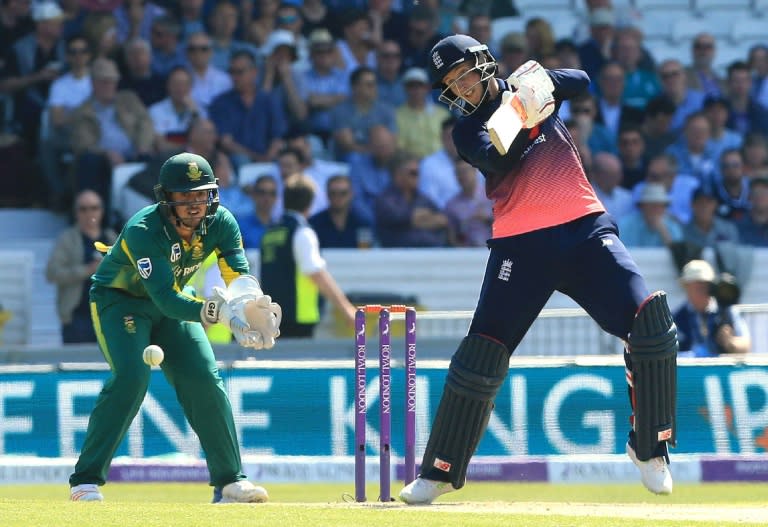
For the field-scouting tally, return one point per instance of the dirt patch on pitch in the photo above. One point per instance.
(678, 512)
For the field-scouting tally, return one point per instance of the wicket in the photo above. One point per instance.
(385, 395)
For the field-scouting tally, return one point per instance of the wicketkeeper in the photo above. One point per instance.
(138, 298)
(550, 233)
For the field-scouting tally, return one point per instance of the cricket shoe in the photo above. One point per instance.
(85, 492)
(424, 491)
(654, 473)
(242, 491)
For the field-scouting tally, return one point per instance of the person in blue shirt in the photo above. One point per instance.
(705, 328)
(340, 225)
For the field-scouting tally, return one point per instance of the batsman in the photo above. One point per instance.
(138, 297)
(550, 233)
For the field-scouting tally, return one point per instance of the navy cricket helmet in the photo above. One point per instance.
(449, 53)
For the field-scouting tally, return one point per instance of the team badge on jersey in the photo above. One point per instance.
(505, 270)
(129, 324)
(145, 267)
(175, 252)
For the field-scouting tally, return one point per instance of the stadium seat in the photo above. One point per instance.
(747, 32)
(676, 5)
(506, 24)
(121, 174)
(251, 171)
(666, 50)
(549, 5)
(727, 53)
(702, 6)
(685, 29)
(656, 26)
(760, 7)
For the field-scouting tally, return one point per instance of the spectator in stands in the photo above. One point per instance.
(190, 16)
(673, 85)
(693, 151)
(611, 111)
(389, 84)
(479, 28)
(339, 225)
(606, 177)
(753, 227)
(386, 22)
(260, 22)
(651, 225)
(567, 53)
(167, 53)
(289, 19)
(370, 171)
(134, 19)
(663, 169)
(316, 15)
(15, 21)
(758, 63)
(596, 51)
(731, 186)
(754, 151)
(419, 119)
(404, 216)
(353, 118)
(108, 129)
(704, 328)
(437, 172)
(203, 140)
(706, 229)
(632, 155)
(318, 169)
(747, 115)
(700, 75)
(356, 47)
(469, 212)
(281, 77)
(512, 53)
(138, 76)
(324, 86)
(656, 125)
(253, 225)
(223, 24)
(540, 39)
(716, 112)
(208, 82)
(422, 35)
(583, 110)
(72, 262)
(292, 264)
(640, 84)
(251, 122)
(173, 115)
(30, 65)
(67, 93)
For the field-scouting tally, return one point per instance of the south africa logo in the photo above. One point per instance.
(193, 172)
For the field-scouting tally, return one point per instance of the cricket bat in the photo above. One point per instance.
(506, 122)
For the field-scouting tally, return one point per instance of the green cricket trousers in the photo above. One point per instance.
(124, 326)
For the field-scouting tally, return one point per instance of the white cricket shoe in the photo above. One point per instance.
(85, 492)
(243, 491)
(422, 491)
(654, 473)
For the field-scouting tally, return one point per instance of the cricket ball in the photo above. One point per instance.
(153, 355)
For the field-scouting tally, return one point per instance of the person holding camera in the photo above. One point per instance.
(708, 324)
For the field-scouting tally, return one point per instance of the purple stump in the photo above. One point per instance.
(410, 395)
(385, 405)
(360, 405)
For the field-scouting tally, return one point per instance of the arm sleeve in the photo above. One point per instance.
(306, 251)
(152, 265)
(231, 256)
(568, 83)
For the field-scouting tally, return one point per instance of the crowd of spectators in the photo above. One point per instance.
(676, 151)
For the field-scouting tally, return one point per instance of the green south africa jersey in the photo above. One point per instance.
(149, 259)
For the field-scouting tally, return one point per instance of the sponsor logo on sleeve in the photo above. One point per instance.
(439, 464)
(175, 252)
(145, 267)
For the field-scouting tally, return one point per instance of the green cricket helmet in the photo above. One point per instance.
(186, 172)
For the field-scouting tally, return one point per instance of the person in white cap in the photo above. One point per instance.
(706, 327)
(419, 120)
(651, 225)
(281, 75)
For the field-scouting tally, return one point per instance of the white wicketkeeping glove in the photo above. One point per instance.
(264, 316)
(534, 90)
(219, 308)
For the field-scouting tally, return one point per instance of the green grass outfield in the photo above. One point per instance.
(311, 505)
